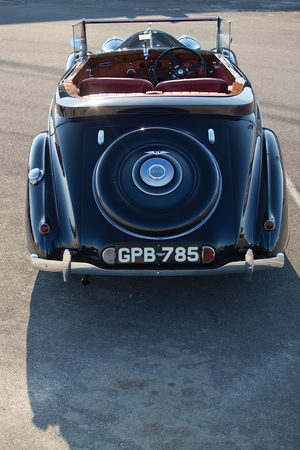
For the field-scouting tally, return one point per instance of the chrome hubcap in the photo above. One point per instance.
(157, 172)
(157, 175)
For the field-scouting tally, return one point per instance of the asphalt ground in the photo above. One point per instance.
(22, 11)
(137, 363)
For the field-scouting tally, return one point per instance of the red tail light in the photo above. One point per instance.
(44, 228)
(269, 224)
(208, 254)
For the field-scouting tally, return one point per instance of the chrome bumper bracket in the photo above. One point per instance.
(66, 263)
(249, 265)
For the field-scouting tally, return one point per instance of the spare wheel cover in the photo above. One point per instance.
(157, 182)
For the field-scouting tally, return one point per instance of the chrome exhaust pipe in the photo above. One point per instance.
(85, 280)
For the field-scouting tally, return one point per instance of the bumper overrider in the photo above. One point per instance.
(67, 266)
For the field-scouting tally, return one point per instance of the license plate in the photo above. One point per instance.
(159, 254)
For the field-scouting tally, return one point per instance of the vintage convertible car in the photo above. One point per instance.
(156, 161)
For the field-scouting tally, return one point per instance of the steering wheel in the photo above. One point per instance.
(179, 72)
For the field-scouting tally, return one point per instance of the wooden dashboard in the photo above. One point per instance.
(132, 65)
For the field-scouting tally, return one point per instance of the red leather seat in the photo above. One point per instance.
(193, 85)
(105, 85)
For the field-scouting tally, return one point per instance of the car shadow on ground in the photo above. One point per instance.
(166, 363)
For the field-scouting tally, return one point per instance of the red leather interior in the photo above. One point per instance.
(193, 85)
(95, 85)
(106, 85)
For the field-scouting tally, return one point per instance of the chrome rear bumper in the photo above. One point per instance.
(67, 266)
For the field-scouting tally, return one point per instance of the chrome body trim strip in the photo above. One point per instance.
(66, 266)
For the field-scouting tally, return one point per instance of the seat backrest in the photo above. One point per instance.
(193, 85)
(106, 85)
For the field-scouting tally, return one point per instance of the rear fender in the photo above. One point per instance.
(40, 201)
(273, 196)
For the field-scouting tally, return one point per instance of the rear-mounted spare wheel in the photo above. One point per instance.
(157, 182)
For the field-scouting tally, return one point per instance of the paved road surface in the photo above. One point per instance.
(20, 11)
